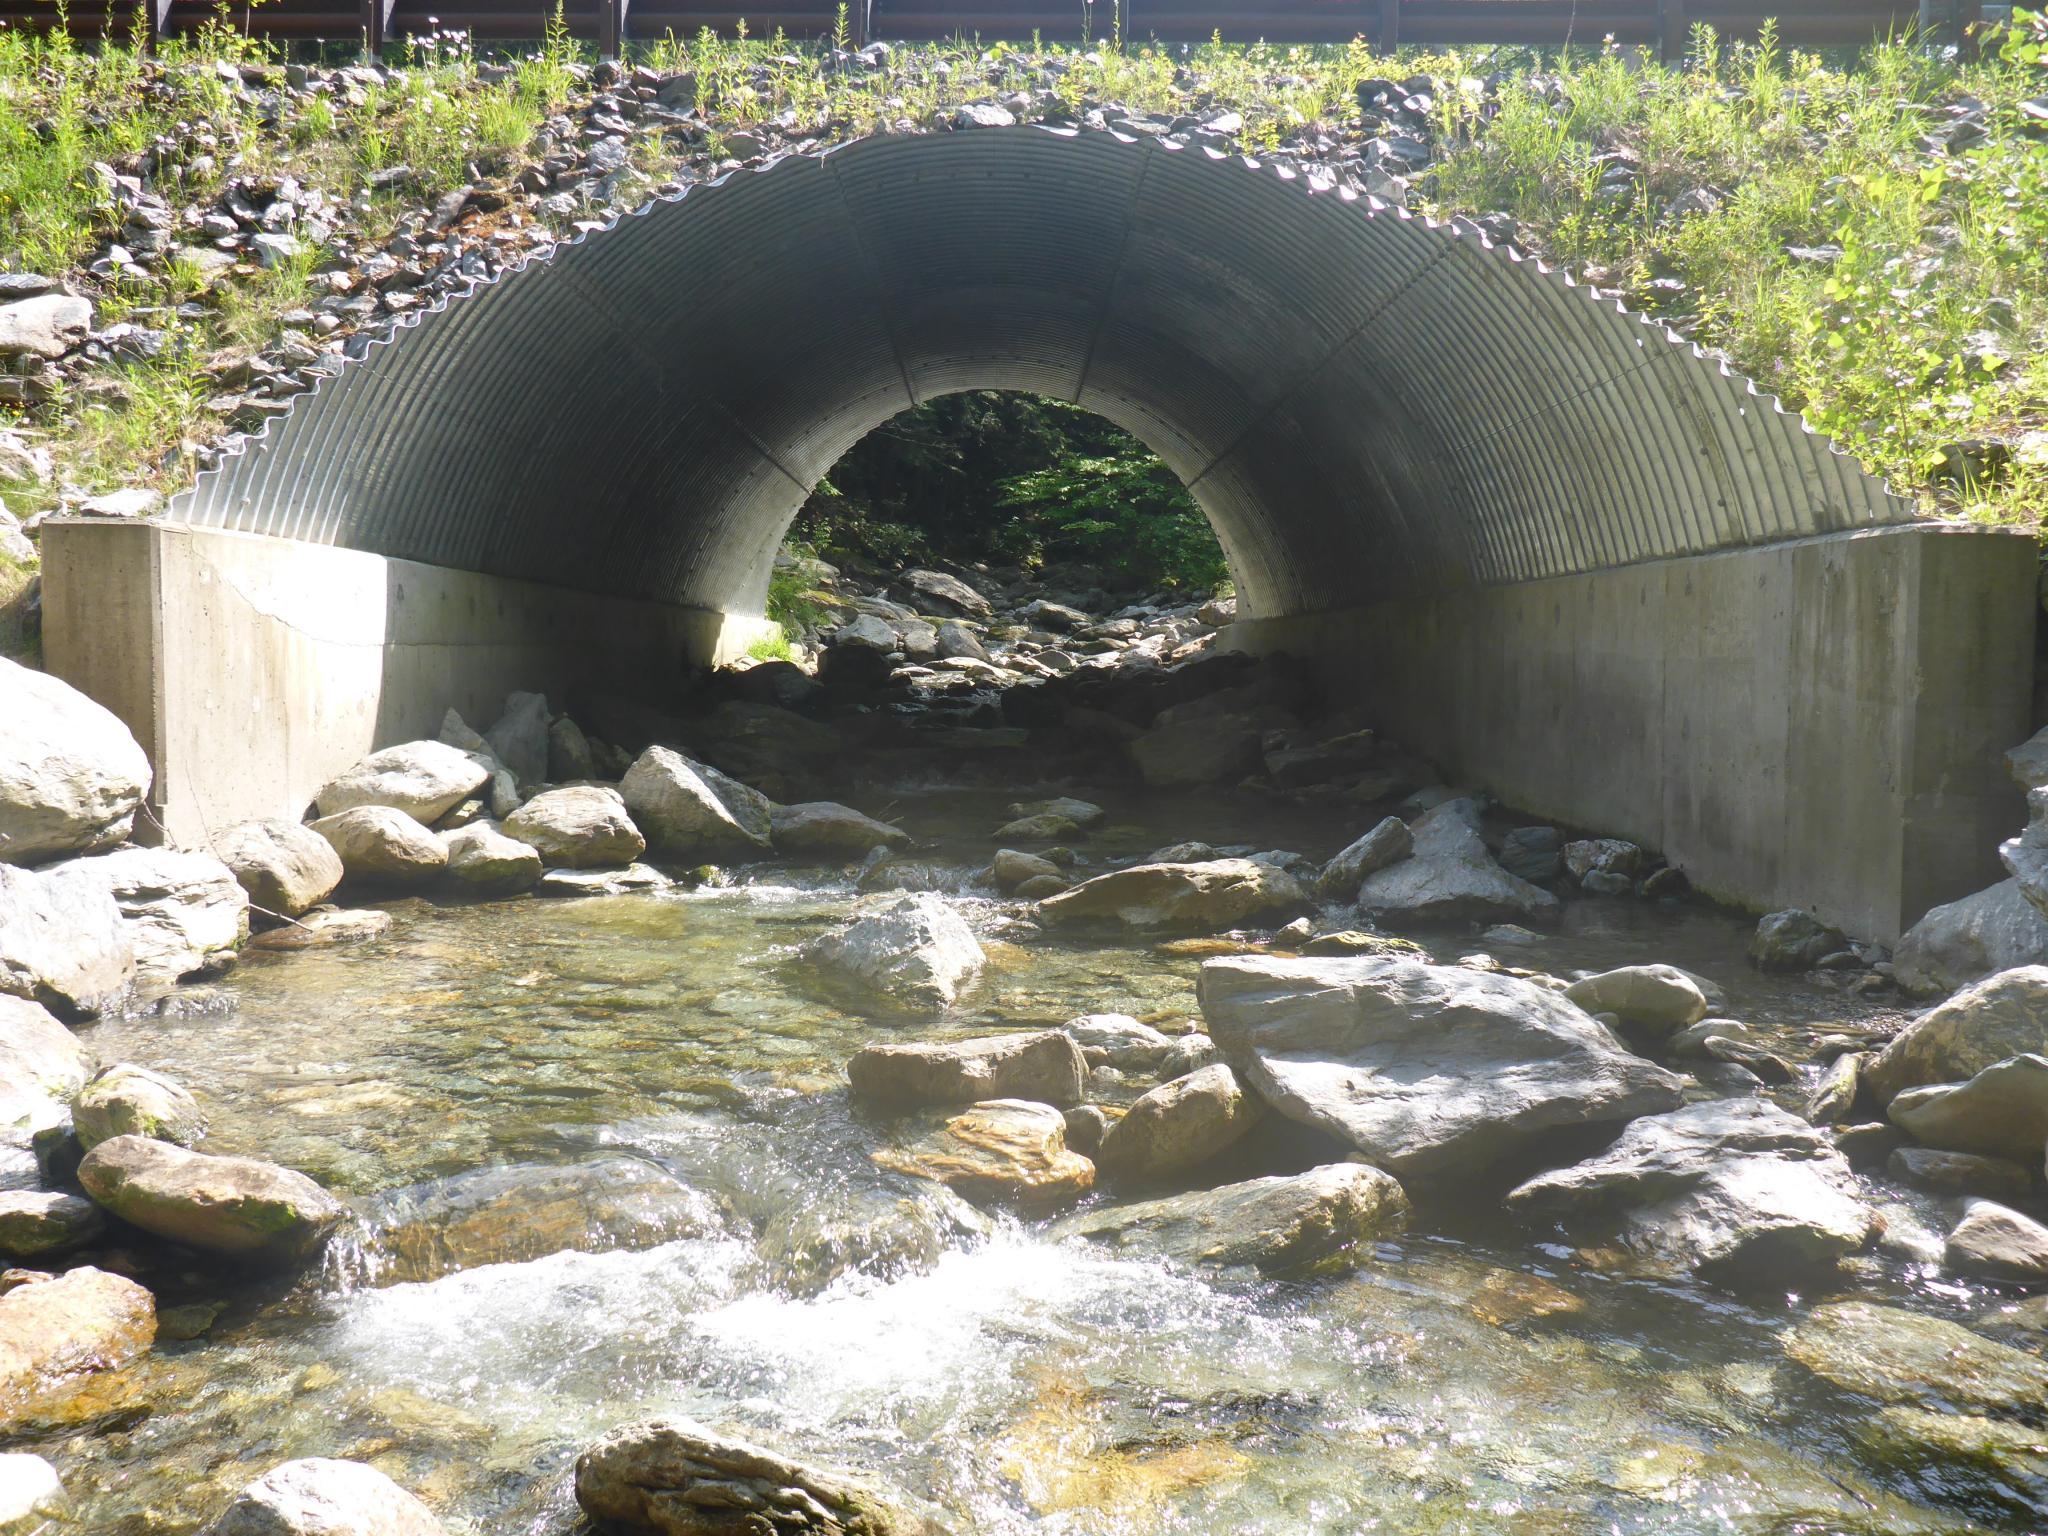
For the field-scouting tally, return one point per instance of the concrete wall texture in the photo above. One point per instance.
(253, 669)
(1817, 723)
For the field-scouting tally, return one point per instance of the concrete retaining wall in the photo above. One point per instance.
(252, 669)
(1816, 723)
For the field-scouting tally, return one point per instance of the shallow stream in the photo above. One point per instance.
(1471, 1377)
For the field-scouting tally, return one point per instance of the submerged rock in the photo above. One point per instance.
(1179, 1125)
(691, 810)
(916, 954)
(127, 1100)
(55, 1331)
(1003, 1152)
(2001, 1112)
(582, 827)
(1281, 1224)
(1449, 877)
(834, 830)
(2000, 1016)
(1426, 1070)
(1993, 930)
(527, 1211)
(674, 1477)
(231, 1205)
(323, 1497)
(1995, 1242)
(1728, 1186)
(1387, 843)
(62, 941)
(286, 868)
(904, 1226)
(325, 926)
(1045, 1066)
(71, 775)
(1890, 1355)
(423, 779)
(380, 846)
(1203, 896)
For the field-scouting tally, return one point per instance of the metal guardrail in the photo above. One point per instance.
(1660, 24)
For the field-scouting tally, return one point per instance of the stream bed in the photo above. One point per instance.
(1473, 1375)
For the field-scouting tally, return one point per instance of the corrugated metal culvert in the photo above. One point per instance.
(1367, 404)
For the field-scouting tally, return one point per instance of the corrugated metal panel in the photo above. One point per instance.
(1367, 403)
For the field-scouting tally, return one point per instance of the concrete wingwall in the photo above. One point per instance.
(1815, 723)
(253, 669)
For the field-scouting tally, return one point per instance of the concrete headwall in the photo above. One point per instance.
(253, 669)
(1816, 723)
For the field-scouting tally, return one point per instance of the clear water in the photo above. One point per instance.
(1469, 1378)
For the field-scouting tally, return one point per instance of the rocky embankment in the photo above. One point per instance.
(1342, 1086)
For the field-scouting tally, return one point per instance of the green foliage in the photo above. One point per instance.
(1123, 512)
(775, 647)
(794, 600)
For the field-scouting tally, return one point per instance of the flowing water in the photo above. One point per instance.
(1470, 1377)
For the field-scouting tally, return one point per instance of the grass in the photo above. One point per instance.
(1896, 293)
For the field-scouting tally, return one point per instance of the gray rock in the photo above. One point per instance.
(949, 593)
(127, 1100)
(1449, 877)
(1179, 1125)
(1793, 940)
(2026, 856)
(1011, 868)
(1723, 1187)
(1424, 1069)
(582, 827)
(915, 954)
(1043, 828)
(1045, 1066)
(1602, 856)
(1201, 897)
(62, 941)
(1833, 1100)
(1995, 1242)
(71, 775)
(999, 1152)
(1118, 1040)
(689, 809)
(185, 913)
(957, 640)
(1321, 1219)
(324, 927)
(47, 326)
(36, 1224)
(286, 868)
(42, 1067)
(323, 1497)
(1388, 843)
(519, 739)
(1967, 940)
(2028, 762)
(1959, 1173)
(424, 779)
(673, 1477)
(2001, 1112)
(897, 1228)
(381, 846)
(833, 830)
(1657, 999)
(483, 860)
(1890, 1355)
(1535, 854)
(569, 754)
(1042, 613)
(231, 1205)
(633, 880)
(1084, 814)
(2000, 1016)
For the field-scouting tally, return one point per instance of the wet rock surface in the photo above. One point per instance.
(322, 1496)
(225, 1205)
(1450, 877)
(56, 1333)
(1046, 1066)
(1200, 897)
(915, 953)
(1002, 1152)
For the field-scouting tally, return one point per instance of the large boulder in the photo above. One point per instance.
(519, 738)
(56, 1331)
(832, 830)
(1449, 877)
(2000, 1016)
(1890, 1355)
(914, 954)
(1793, 940)
(424, 779)
(690, 810)
(1657, 999)
(1003, 1152)
(1046, 1066)
(1179, 1125)
(1317, 1219)
(2001, 1112)
(380, 846)
(37, 1223)
(1387, 843)
(1995, 1242)
(1424, 1069)
(673, 1477)
(62, 941)
(511, 1215)
(323, 1497)
(1733, 1187)
(45, 326)
(1202, 897)
(229, 1205)
(1993, 930)
(583, 827)
(71, 775)
(945, 594)
(127, 1100)
(186, 914)
(485, 862)
(42, 1065)
(286, 868)
(570, 756)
